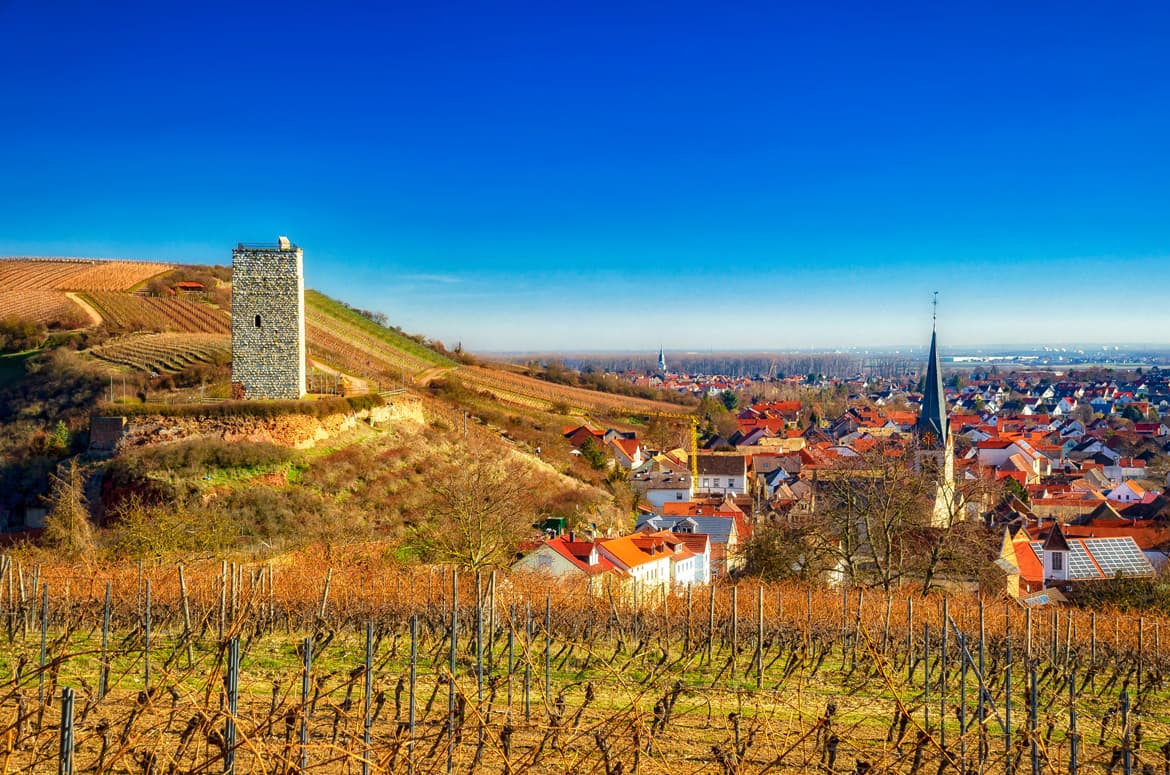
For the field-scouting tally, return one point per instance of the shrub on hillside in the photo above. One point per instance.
(291, 515)
(18, 334)
(162, 531)
(195, 456)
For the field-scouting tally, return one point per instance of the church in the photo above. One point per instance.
(934, 447)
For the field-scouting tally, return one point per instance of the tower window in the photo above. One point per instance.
(257, 321)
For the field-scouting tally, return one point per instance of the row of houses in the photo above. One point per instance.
(651, 558)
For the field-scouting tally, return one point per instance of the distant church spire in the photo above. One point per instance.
(932, 427)
(661, 360)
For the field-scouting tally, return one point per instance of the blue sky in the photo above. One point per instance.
(600, 176)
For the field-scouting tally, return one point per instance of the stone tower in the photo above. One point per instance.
(268, 321)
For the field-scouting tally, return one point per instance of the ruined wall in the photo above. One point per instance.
(298, 431)
(268, 321)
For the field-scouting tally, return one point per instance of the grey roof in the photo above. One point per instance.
(933, 417)
(762, 464)
(717, 528)
(662, 480)
(722, 465)
(776, 476)
(753, 437)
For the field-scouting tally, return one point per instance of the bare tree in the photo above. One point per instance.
(480, 509)
(67, 525)
(869, 507)
(876, 523)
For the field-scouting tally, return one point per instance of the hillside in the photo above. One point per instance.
(343, 339)
(38, 288)
(117, 302)
(121, 338)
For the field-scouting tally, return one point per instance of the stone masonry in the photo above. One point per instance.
(268, 321)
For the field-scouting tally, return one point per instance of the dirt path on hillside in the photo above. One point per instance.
(94, 317)
(422, 379)
(357, 386)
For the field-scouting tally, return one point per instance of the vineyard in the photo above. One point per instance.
(335, 316)
(128, 312)
(42, 306)
(75, 274)
(349, 342)
(538, 394)
(343, 664)
(164, 353)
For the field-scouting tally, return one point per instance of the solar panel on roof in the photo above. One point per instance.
(1119, 556)
(1080, 565)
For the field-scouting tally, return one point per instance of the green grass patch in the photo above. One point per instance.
(335, 309)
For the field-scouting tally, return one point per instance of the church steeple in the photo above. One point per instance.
(936, 447)
(661, 361)
(932, 427)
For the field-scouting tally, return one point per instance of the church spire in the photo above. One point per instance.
(661, 360)
(931, 428)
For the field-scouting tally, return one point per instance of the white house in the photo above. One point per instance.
(690, 567)
(664, 486)
(721, 474)
(627, 453)
(644, 557)
(1126, 492)
(565, 556)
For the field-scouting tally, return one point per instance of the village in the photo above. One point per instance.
(1062, 475)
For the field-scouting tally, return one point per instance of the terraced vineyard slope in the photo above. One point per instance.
(149, 313)
(34, 288)
(169, 352)
(353, 344)
(537, 394)
(41, 306)
(75, 274)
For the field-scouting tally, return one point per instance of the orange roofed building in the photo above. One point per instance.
(564, 556)
(654, 559)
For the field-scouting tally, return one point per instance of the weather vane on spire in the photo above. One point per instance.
(934, 311)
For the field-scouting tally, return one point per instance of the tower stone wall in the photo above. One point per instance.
(268, 321)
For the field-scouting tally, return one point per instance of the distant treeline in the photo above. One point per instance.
(752, 365)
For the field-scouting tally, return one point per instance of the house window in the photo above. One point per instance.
(706, 482)
(1057, 561)
(678, 496)
(717, 481)
(730, 482)
(257, 321)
